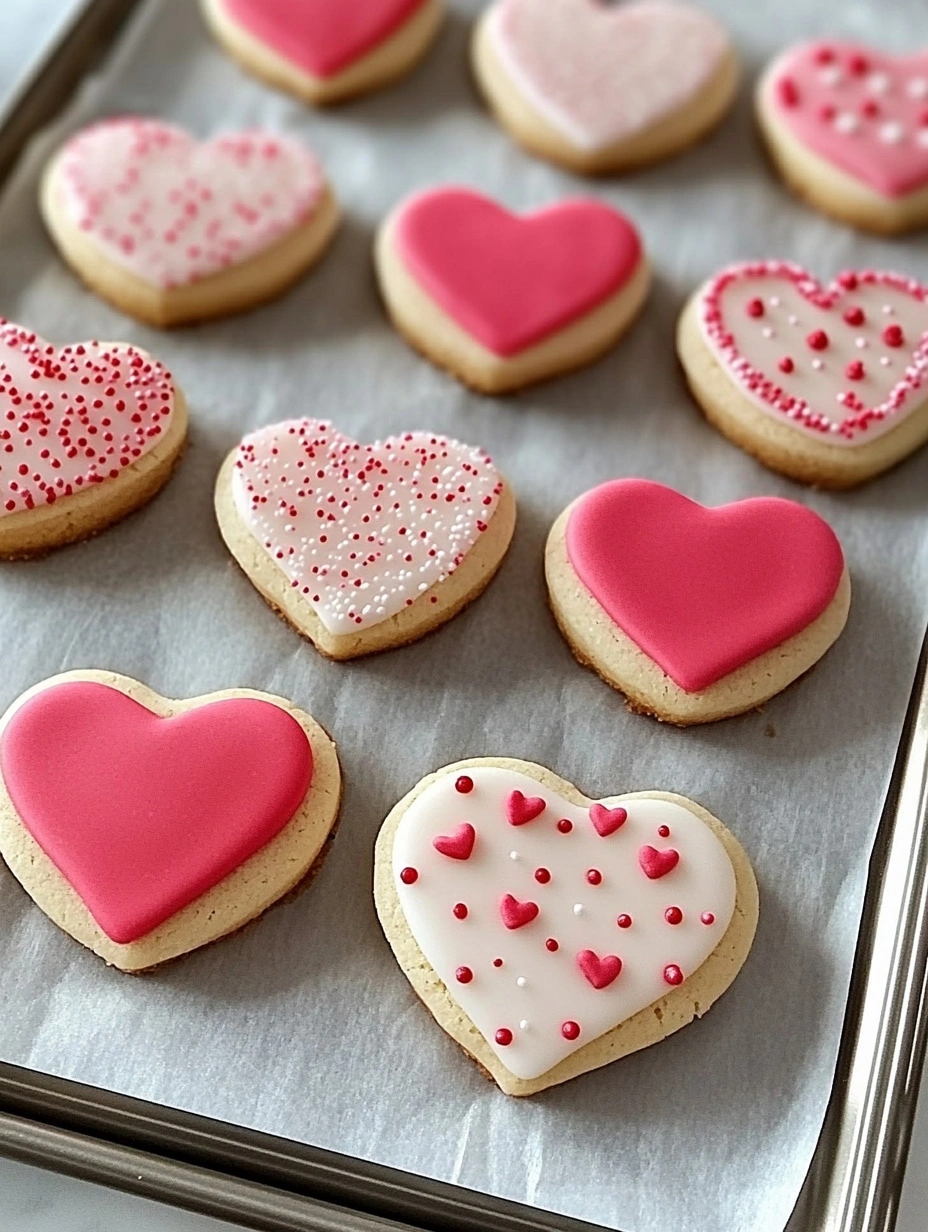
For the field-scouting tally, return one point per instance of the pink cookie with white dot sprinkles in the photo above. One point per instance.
(826, 384)
(847, 127)
(89, 432)
(363, 547)
(172, 230)
(548, 933)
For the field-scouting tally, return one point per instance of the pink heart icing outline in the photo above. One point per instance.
(768, 391)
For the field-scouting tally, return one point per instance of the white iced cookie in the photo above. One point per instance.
(604, 88)
(826, 384)
(550, 934)
(172, 230)
(363, 547)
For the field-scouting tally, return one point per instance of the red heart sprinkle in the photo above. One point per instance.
(514, 914)
(607, 820)
(655, 864)
(458, 845)
(520, 809)
(600, 972)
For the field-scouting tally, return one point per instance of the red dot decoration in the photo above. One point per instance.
(551, 945)
(848, 280)
(463, 975)
(827, 112)
(855, 370)
(664, 831)
(497, 962)
(755, 307)
(565, 826)
(464, 784)
(707, 917)
(594, 876)
(672, 974)
(459, 910)
(624, 921)
(409, 876)
(893, 335)
(673, 915)
(786, 364)
(504, 1037)
(824, 55)
(818, 340)
(854, 316)
(871, 108)
(788, 92)
(542, 875)
(858, 65)
(570, 1030)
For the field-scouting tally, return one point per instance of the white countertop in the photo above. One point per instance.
(32, 1200)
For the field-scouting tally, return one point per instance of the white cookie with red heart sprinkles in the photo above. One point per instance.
(825, 383)
(363, 547)
(89, 432)
(173, 230)
(549, 933)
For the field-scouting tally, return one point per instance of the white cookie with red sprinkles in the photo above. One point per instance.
(549, 933)
(172, 230)
(363, 547)
(89, 432)
(827, 384)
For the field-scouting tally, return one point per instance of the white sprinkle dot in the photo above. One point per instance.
(767, 332)
(846, 122)
(831, 75)
(921, 137)
(521, 981)
(578, 908)
(878, 83)
(860, 342)
(774, 301)
(917, 87)
(888, 309)
(523, 1025)
(891, 133)
(884, 360)
(793, 319)
(818, 364)
(513, 855)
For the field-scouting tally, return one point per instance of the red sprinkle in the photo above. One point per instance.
(497, 962)
(673, 974)
(707, 917)
(854, 316)
(594, 876)
(409, 876)
(827, 112)
(570, 1030)
(818, 340)
(463, 975)
(565, 826)
(859, 65)
(504, 1037)
(464, 784)
(551, 945)
(787, 92)
(824, 55)
(664, 831)
(755, 307)
(542, 875)
(870, 108)
(848, 280)
(624, 921)
(855, 370)
(459, 910)
(786, 364)
(893, 335)
(673, 915)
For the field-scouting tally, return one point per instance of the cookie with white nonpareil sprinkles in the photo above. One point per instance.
(826, 384)
(363, 547)
(172, 230)
(847, 127)
(324, 51)
(502, 300)
(695, 614)
(549, 933)
(145, 827)
(89, 432)
(604, 88)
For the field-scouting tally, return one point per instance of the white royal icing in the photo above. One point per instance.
(536, 991)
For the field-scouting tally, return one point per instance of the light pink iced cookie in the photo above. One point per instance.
(847, 126)
(172, 230)
(363, 547)
(145, 827)
(826, 384)
(325, 50)
(88, 433)
(501, 299)
(604, 88)
(695, 614)
(549, 933)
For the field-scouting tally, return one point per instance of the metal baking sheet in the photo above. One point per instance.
(302, 1026)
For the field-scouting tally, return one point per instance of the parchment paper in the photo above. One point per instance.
(303, 1025)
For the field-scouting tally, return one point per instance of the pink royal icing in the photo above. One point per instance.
(362, 531)
(73, 416)
(702, 591)
(511, 281)
(142, 814)
(173, 210)
(845, 362)
(861, 110)
(602, 73)
(322, 37)
(549, 965)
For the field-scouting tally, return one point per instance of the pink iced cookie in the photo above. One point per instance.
(695, 614)
(146, 827)
(847, 126)
(503, 299)
(566, 932)
(363, 547)
(603, 88)
(325, 50)
(828, 384)
(174, 230)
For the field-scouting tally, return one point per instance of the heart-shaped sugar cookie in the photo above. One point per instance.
(848, 126)
(603, 87)
(554, 948)
(146, 828)
(172, 229)
(825, 383)
(694, 613)
(90, 431)
(504, 299)
(362, 547)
